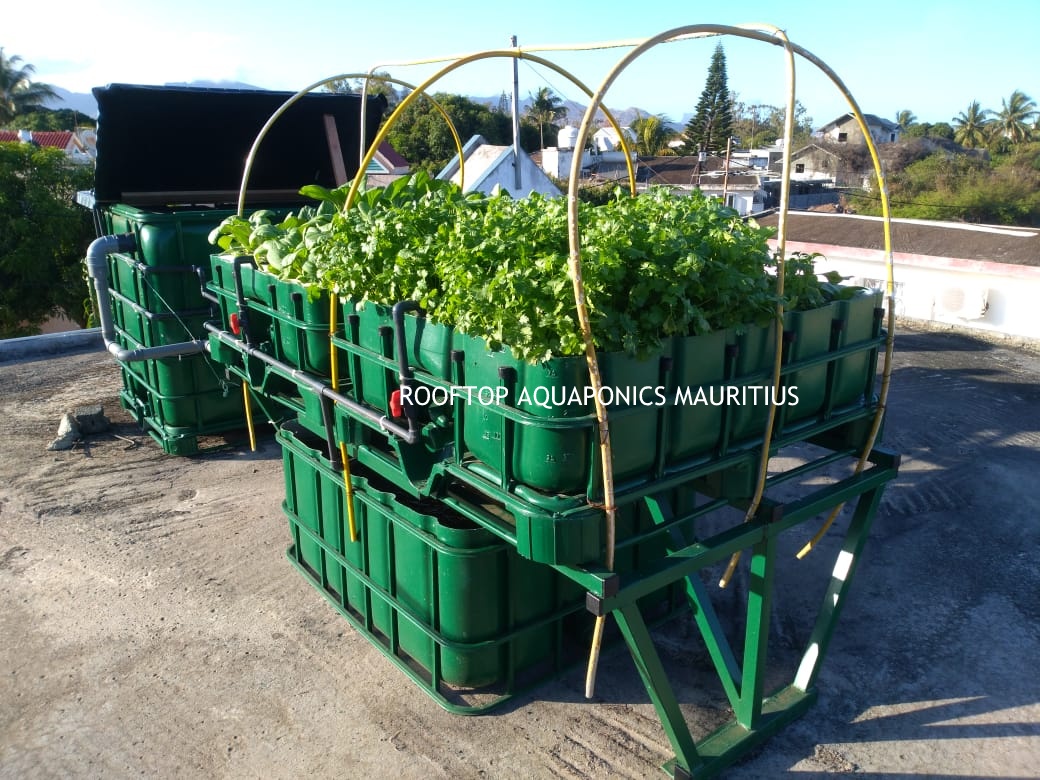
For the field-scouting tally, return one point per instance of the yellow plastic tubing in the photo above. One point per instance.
(260, 136)
(250, 159)
(766, 34)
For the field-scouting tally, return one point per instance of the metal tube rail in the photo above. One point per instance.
(409, 435)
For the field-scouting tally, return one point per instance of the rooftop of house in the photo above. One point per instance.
(683, 170)
(870, 119)
(56, 138)
(392, 156)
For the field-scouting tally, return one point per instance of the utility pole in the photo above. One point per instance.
(725, 173)
(516, 117)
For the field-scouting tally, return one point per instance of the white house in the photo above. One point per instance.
(607, 141)
(978, 277)
(485, 167)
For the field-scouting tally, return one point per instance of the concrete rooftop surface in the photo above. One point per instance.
(151, 624)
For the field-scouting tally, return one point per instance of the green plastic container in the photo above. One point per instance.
(447, 601)
(834, 382)
(170, 245)
(854, 374)
(811, 334)
(176, 421)
(285, 319)
(153, 329)
(369, 347)
(696, 429)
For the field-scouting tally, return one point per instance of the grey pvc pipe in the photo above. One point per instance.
(97, 270)
(409, 435)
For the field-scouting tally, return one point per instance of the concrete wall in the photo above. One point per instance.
(973, 294)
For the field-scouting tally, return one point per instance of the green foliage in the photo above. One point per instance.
(51, 119)
(762, 125)
(946, 187)
(653, 266)
(652, 135)
(43, 238)
(423, 138)
(972, 126)
(803, 290)
(377, 85)
(1015, 118)
(905, 119)
(928, 130)
(545, 109)
(18, 92)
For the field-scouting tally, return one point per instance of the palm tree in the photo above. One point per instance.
(972, 127)
(1015, 116)
(17, 89)
(905, 118)
(546, 107)
(652, 135)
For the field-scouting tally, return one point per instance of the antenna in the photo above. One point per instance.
(516, 118)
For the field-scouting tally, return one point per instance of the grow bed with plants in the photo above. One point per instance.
(460, 372)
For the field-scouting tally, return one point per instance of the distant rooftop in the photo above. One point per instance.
(56, 138)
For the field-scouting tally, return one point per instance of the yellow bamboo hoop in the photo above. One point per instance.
(250, 160)
(767, 34)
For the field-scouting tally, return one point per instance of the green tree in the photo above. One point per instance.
(905, 118)
(917, 130)
(422, 136)
(546, 107)
(751, 123)
(43, 238)
(652, 135)
(377, 85)
(971, 128)
(712, 121)
(504, 105)
(1016, 115)
(51, 119)
(802, 123)
(18, 91)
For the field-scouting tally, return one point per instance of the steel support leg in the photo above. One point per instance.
(756, 717)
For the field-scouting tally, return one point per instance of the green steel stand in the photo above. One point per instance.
(756, 715)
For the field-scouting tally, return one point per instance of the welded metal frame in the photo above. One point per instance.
(757, 715)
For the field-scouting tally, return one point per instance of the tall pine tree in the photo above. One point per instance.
(712, 122)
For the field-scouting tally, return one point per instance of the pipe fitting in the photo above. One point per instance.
(97, 270)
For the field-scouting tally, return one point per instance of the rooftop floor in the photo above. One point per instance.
(152, 625)
(1010, 245)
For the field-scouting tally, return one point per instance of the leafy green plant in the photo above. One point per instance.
(654, 266)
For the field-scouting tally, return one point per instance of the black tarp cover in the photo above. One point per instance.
(184, 144)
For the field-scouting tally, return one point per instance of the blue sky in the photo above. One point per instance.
(930, 57)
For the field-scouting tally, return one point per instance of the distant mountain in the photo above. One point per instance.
(85, 103)
(575, 112)
(78, 101)
(203, 84)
